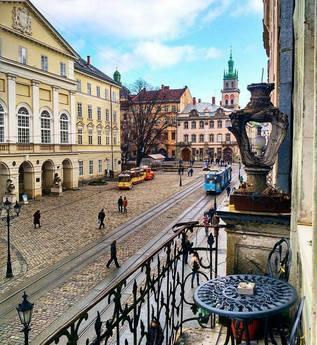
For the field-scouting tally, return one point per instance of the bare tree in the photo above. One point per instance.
(145, 125)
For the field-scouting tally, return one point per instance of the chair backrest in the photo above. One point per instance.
(294, 337)
(279, 260)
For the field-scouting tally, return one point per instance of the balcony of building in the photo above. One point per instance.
(153, 303)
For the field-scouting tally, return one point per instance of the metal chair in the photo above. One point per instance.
(279, 260)
(295, 333)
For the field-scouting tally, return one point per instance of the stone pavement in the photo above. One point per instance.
(69, 223)
(61, 298)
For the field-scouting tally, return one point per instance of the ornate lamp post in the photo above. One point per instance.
(7, 208)
(259, 163)
(24, 310)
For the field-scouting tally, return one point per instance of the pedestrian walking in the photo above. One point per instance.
(37, 219)
(228, 190)
(182, 170)
(206, 222)
(188, 172)
(101, 218)
(120, 204)
(113, 255)
(215, 224)
(191, 171)
(187, 245)
(125, 205)
(195, 268)
(211, 213)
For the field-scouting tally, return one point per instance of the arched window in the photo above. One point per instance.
(231, 101)
(64, 129)
(226, 102)
(23, 126)
(45, 127)
(232, 84)
(227, 84)
(1, 124)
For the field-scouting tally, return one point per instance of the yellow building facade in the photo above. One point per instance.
(98, 121)
(38, 104)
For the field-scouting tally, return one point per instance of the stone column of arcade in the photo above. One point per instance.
(258, 215)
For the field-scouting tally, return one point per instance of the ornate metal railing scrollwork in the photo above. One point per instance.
(151, 301)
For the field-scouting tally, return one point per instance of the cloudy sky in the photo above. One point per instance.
(171, 42)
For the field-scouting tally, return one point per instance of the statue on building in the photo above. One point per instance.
(57, 182)
(10, 187)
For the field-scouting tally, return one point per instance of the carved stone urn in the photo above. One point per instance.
(258, 153)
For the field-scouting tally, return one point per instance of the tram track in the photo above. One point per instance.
(105, 313)
(60, 272)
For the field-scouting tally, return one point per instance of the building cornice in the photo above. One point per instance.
(25, 71)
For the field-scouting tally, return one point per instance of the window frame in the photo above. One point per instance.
(64, 131)
(45, 131)
(44, 63)
(24, 122)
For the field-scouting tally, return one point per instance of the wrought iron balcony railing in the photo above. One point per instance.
(153, 299)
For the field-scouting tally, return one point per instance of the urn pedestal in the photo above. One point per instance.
(250, 238)
(11, 197)
(57, 190)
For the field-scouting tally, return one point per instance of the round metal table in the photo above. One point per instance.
(220, 296)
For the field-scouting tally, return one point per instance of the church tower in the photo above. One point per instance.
(230, 91)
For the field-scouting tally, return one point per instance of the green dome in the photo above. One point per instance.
(231, 73)
(117, 76)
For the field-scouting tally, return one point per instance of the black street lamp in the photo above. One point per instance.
(215, 202)
(7, 207)
(25, 314)
(239, 170)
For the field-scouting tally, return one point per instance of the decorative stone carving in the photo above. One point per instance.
(57, 180)
(256, 194)
(10, 187)
(22, 20)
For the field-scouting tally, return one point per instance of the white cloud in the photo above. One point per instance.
(246, 7)
(154, 54)
(141, 19)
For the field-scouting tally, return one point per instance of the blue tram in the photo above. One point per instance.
(217, 180)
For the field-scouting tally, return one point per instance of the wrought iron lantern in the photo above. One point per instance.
(25, 314)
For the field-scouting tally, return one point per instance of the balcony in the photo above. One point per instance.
(154, 300)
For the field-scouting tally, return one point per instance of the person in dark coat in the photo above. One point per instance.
(187, 246)
(155, 334)
(37, 219)
(211, 213)
(101, 218)
(120, 204)
(113, 255)
(125, 205)
(228, 190)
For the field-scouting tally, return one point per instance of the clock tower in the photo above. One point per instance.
(230, 92)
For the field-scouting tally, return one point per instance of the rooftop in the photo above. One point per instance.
(164, 94)
(86, 67)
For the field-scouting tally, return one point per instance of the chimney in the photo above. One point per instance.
(88, 59)
(199, 100)
(194, 100)
(213, 100)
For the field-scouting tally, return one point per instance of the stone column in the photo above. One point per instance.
(72, 129)
(12, 119)
(36, 112)
(56, 125)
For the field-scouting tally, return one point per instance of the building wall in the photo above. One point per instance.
(24, 84)
(106, 123)
(304, 163)
(212, 142)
